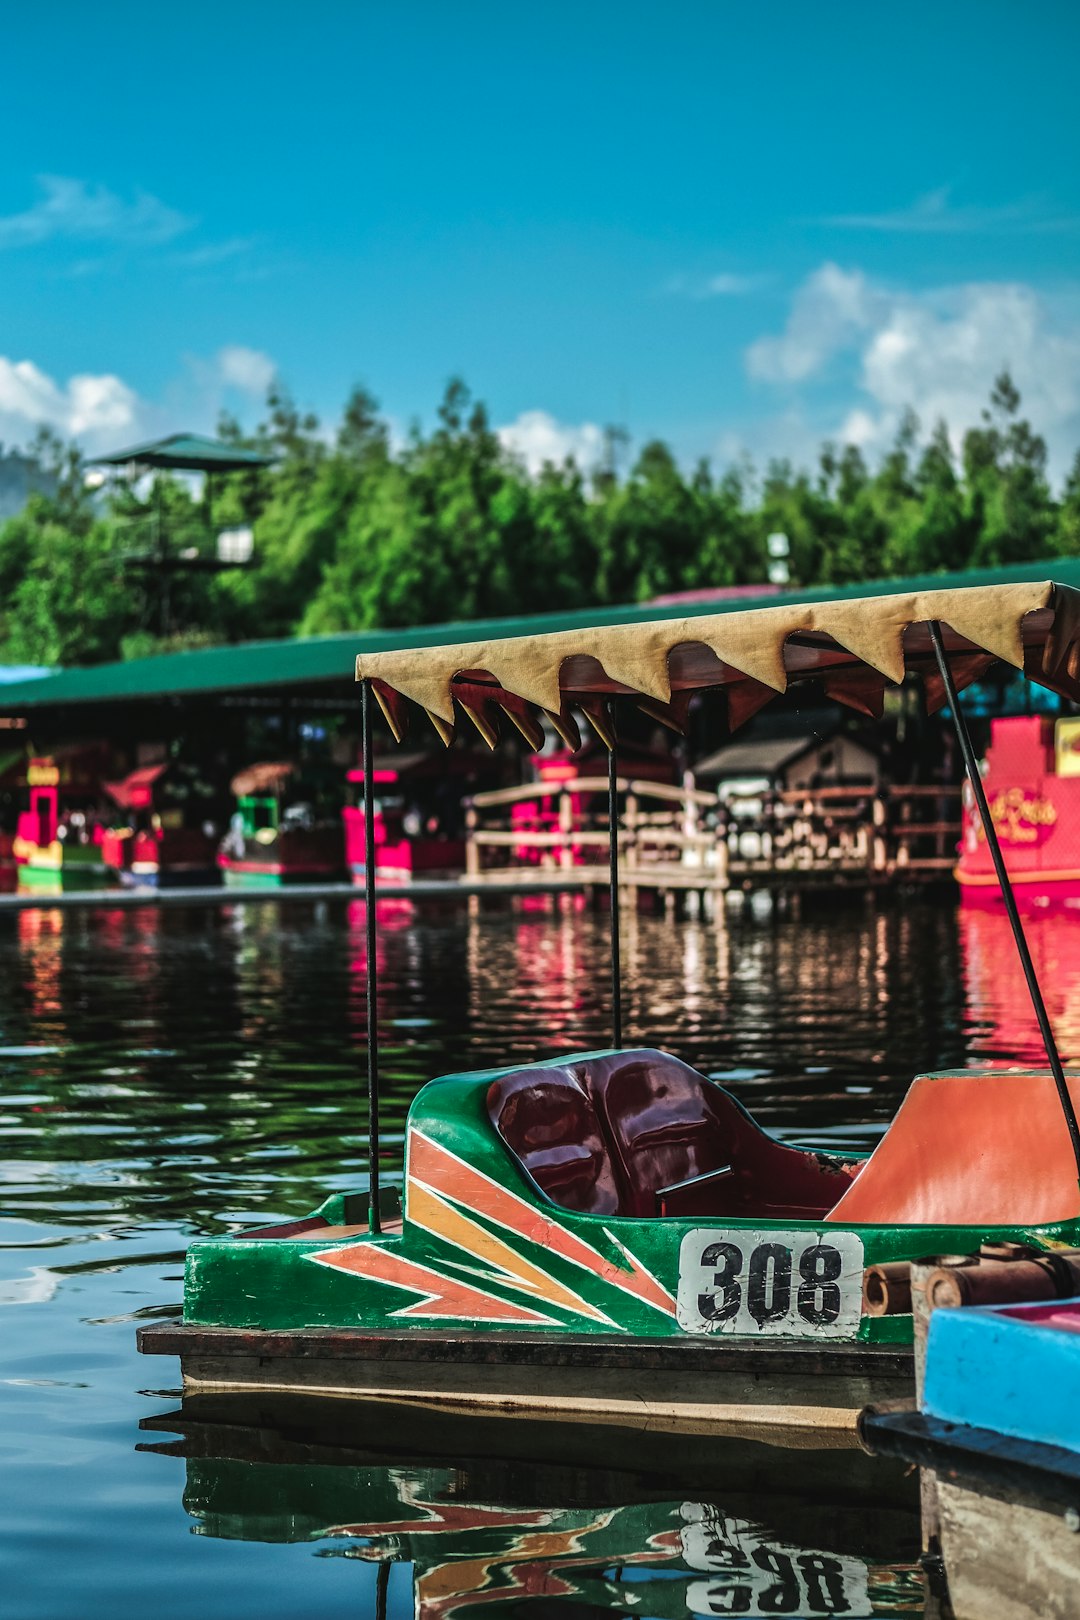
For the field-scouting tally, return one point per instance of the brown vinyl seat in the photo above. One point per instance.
(642, 1134)
(667, 1125)
(547, 1118)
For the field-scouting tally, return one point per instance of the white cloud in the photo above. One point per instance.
(249, 370)
(90, 408)
(538, 437)
(215, 253)
(727, 285)
(103, 412)
(937, 351)
(829, 311)
(724, 284)
(936, 213)
(76, 211)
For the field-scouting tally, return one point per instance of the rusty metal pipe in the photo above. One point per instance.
(1005, 1282)
(887, 1289)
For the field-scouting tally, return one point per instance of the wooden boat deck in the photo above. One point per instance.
(794, 1392)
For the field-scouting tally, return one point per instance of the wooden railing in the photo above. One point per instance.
(685, 838)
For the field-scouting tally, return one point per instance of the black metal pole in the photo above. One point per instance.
(382, 1588)
(368, 762)
(613, 872)
(971, 765)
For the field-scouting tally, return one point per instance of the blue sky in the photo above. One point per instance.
(735, 227)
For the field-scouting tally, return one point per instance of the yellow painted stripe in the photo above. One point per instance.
(979, 880)
(428, 1210)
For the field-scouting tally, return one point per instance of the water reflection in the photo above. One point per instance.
(168, 1073)
(1000, 1018)
(681, 1530)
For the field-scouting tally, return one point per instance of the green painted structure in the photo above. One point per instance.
(310, 663)
(483, 1248)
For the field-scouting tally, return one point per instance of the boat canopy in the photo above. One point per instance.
(269, 776)
(855, 647)
(134, 791)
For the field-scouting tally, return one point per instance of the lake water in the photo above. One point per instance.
(165, 1074)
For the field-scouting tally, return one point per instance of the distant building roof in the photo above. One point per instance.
(187, 452)
(715, 593)
(762, 756)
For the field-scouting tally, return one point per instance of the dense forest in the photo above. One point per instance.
(352, 531)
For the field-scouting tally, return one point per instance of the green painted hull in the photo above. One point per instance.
(70, 875)
(482, 1251)
(252, 880)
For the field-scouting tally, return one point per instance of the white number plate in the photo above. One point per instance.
(805, 1285)
(749, 1575)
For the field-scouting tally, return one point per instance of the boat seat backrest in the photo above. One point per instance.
(665, 1124)
(548, 1119)
(642, 1134)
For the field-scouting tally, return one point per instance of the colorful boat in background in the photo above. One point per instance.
(286, 828)
(58, 838)
(1031, 776)
(609, 1237)
(166, 840)
(558, 771)
(418, 813)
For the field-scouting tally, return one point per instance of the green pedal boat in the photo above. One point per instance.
(610, 1237)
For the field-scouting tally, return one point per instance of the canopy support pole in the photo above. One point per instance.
(971, 765)
(368, 762)
(613, 878)
(382, 1589)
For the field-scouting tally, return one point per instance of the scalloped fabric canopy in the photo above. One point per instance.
(856, 648)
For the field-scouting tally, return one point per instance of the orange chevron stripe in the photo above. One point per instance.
(442, 1170)
(428, 1210)
(445, 1298)
(448, 1518)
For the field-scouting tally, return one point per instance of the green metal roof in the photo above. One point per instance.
(187, 452)
(317, 660)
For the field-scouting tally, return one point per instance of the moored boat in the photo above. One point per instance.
(164, 840)
(1032, 783)
(286, 829)
(57, 842)
(418, 813)
(610, 1236)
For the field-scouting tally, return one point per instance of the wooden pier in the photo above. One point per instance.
(675, 839)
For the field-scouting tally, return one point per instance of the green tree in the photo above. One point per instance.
(1008, 498)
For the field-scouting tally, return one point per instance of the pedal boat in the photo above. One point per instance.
(610, 1237)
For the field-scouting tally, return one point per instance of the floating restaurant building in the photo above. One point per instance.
(221, 710)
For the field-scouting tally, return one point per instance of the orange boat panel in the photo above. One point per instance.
(971, 1149)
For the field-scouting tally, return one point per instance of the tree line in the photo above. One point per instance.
(353, 531)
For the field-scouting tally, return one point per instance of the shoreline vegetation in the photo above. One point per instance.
(353, 531)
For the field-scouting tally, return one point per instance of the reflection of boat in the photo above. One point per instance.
(58, 839)
(732, 1528)
(1032, 781)
(610, 1236)
(286, 828)
(163, 843)
(998, 1009)
(998, 1437)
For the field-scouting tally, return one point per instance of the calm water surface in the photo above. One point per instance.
(166, 1074)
